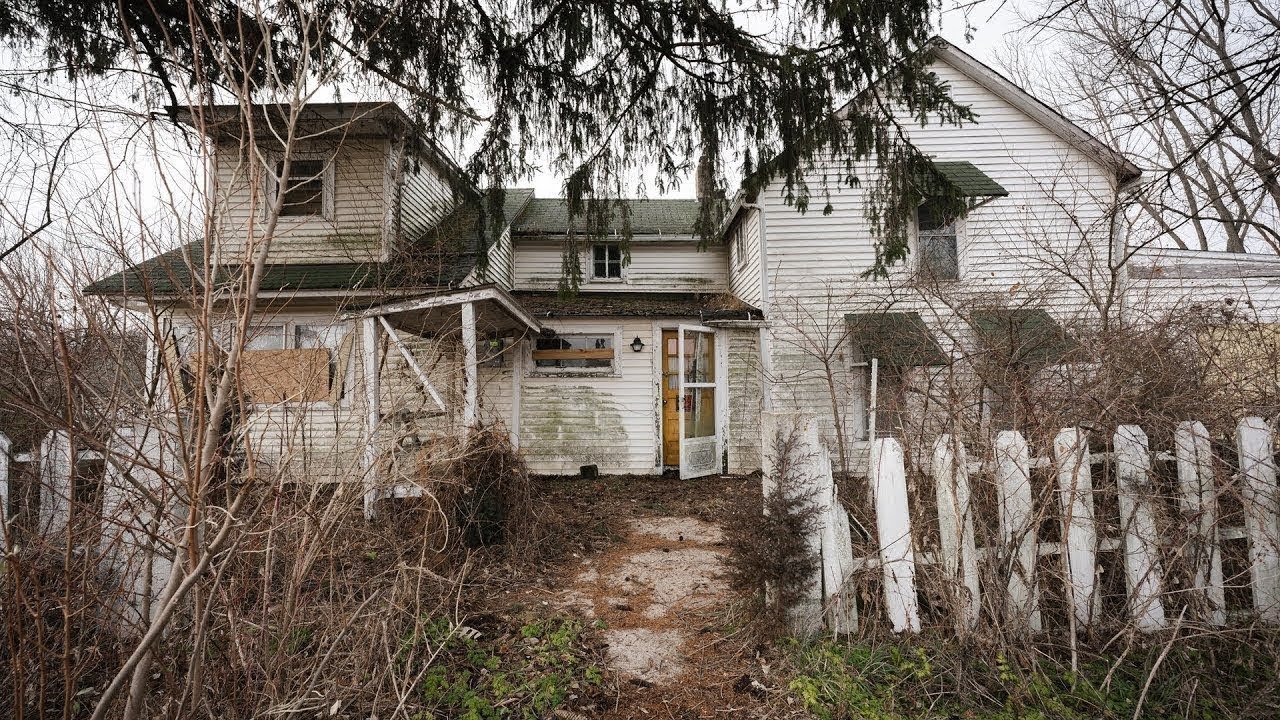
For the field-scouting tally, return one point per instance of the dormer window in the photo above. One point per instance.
(606, 262)
(937, 242)
(308, 190)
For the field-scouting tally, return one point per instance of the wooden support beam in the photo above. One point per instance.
(373, 415)
(470, 396)
(413, 364)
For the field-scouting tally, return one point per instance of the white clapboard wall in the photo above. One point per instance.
(1002, 578)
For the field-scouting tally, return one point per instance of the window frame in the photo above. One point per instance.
(328, 180)
(591, 260)
(615, 364)
(917, 248)
(739, 247)
(289, 328)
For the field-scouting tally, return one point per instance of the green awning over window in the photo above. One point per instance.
(897, 339)
(1025, 336)
(968, 179)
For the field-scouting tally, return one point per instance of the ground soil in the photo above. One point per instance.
(639, 560)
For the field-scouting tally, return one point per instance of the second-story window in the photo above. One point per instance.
(937, 242)
(304, 188)
(606, 262)
(740, 246)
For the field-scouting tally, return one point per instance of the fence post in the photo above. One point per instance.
(5, 446)
(955, 526)
(55, 483)
(1017, 529)
(1137, 522)
(1258, 487)
(804, 618)
(1200, 512)
(841, 608)
(893, 520)
(1079, 531)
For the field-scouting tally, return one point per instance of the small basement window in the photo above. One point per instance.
(606, 262)
(574, 353)
(304, 189)
(937, 242)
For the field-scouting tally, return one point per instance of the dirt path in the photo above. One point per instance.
(653, 592)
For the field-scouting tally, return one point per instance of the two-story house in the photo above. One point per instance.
(383, 325)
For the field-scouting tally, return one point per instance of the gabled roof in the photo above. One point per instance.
(439, 258)
(670, 218)
(1037, 110)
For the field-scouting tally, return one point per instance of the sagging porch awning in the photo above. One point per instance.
(471, 311)
(896, 339)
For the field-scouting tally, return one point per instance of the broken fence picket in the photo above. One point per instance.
(1139, 543)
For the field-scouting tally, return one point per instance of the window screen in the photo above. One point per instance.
(304, 188)
(937, 243)
(606, 262)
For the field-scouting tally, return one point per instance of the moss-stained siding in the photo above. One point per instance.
(567, 422)
(744, 271)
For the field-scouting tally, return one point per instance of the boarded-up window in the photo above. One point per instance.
(574, 353)
(303, 188)
(298, 375)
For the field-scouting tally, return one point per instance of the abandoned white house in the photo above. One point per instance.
(382, 325)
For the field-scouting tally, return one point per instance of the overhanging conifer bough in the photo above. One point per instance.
(604, 89)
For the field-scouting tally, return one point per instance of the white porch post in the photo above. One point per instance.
(369, 460)
(469, 348)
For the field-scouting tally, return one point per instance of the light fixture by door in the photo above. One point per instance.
(637, 344)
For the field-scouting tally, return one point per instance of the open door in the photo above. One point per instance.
(697, 415)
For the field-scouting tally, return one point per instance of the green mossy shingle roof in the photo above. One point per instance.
(897, 339)
(666, 217)
(441, 257)
(1025, 336)
(968, 179)
(705, 306)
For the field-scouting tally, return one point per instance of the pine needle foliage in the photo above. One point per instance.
(771, 556)
(607, 90)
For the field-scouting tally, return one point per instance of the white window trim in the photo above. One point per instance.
(591, 265)
(913, 247)
(328, 180)
(531, 369)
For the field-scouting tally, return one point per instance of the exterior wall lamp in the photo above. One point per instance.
(637, 344)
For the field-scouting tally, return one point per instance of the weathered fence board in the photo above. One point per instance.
(1079, 531)
(1137, 522)
(1256, 445)
(1199, 503)
(1017, 527)
(889, 486)
(955, 528)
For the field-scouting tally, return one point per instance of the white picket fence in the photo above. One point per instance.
(125, 507)
(1008, 566)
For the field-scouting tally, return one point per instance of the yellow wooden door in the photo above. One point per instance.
(670, 398)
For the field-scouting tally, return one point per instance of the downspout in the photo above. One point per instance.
(766, 336)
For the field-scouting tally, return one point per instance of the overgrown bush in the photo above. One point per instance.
(772, 557)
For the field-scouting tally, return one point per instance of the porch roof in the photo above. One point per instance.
(495, 311)
(706, 307)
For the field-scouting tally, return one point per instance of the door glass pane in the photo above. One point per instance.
(699, 358)
(699, 412)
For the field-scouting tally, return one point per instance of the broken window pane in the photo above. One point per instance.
(606, 262)
(567, 352)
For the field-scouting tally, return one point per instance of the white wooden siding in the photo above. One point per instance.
(655, 267)
(567, 422)
(425, 198)
(745, 400)
(1030, 247)
(744, 274)
(354, 233)
(499, 271)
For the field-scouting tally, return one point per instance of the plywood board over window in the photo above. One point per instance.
(270, 376)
